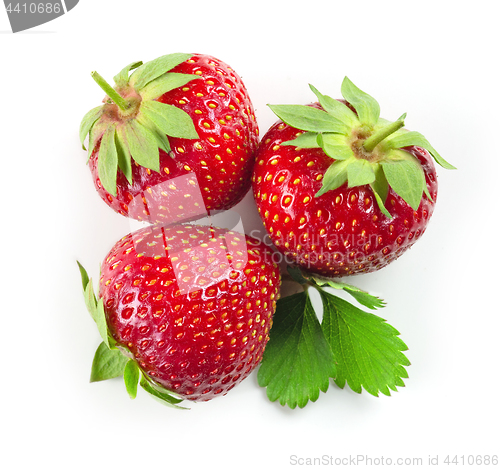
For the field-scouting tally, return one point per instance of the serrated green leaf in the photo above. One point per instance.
(334, 177)
(406, 178)
(336, 109)
(367, 108)
(141, 143)
(88, 122)
(164, 396)
(335, 146)
(131, 375)
(362, 297)
(165, 83)
(297, 362)
(101, 323)
(122, 78)
(304, 140)
(107, 364)
(307, 118)
(169, 119)
(368, 350)
(412, 138)
(83, 275)
(107, 162)
(151, 70)
(359, 173)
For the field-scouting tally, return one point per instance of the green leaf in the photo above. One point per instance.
(169, 119)
(141, 144)
(95, 134)
(165, 83)
(304, 140)
(380, 188)
(406, 178)
(307, 118)
(335, 146)
(334, 176)
(336, 109)
(297, 361)
(88, 122)
(84, 276)
(380, 202)
(102, 325)
(131, 375)
(124, 158)
(107, 364)
(122, 78)
(368, 350)
(362, 297)
(359, 173)
(408, 139)
(90, 300)
(367, 108)
(107, 162)
(163, 395)
(149, 71)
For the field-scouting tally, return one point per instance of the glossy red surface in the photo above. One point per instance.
(194, 305)
(220, 161)
(342, 232)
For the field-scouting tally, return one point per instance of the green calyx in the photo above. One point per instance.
(366, 149)
(112, 360)
(132, 124)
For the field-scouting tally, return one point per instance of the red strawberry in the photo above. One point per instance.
(192, 305)
(340, 190)
(181, 119)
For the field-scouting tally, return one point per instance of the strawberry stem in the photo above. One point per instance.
(371, 142)
(110, 91)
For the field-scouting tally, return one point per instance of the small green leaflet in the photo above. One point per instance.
(88, 122)
(165, 83)
(359, 173)
(334, 177)
(367, 349)
(380, 188)
(413, 138)
(367, 108)
(305, 140)
(122, 78)
(101, 323)
(153, 69)
(107, 364)
(307, 118)
(124, 158)
(297, 362)
(335, 146)
(337, 109)
(361, 296)
(107, 163)
(131, 375)
(406, 178)
(169, 119)
(162, 395)
(84, 275)
(141, 143)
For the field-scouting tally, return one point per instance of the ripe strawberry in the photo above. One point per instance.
(192, 305)
(340, 190)
(181, 119)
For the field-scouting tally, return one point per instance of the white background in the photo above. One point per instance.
(437, 61)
